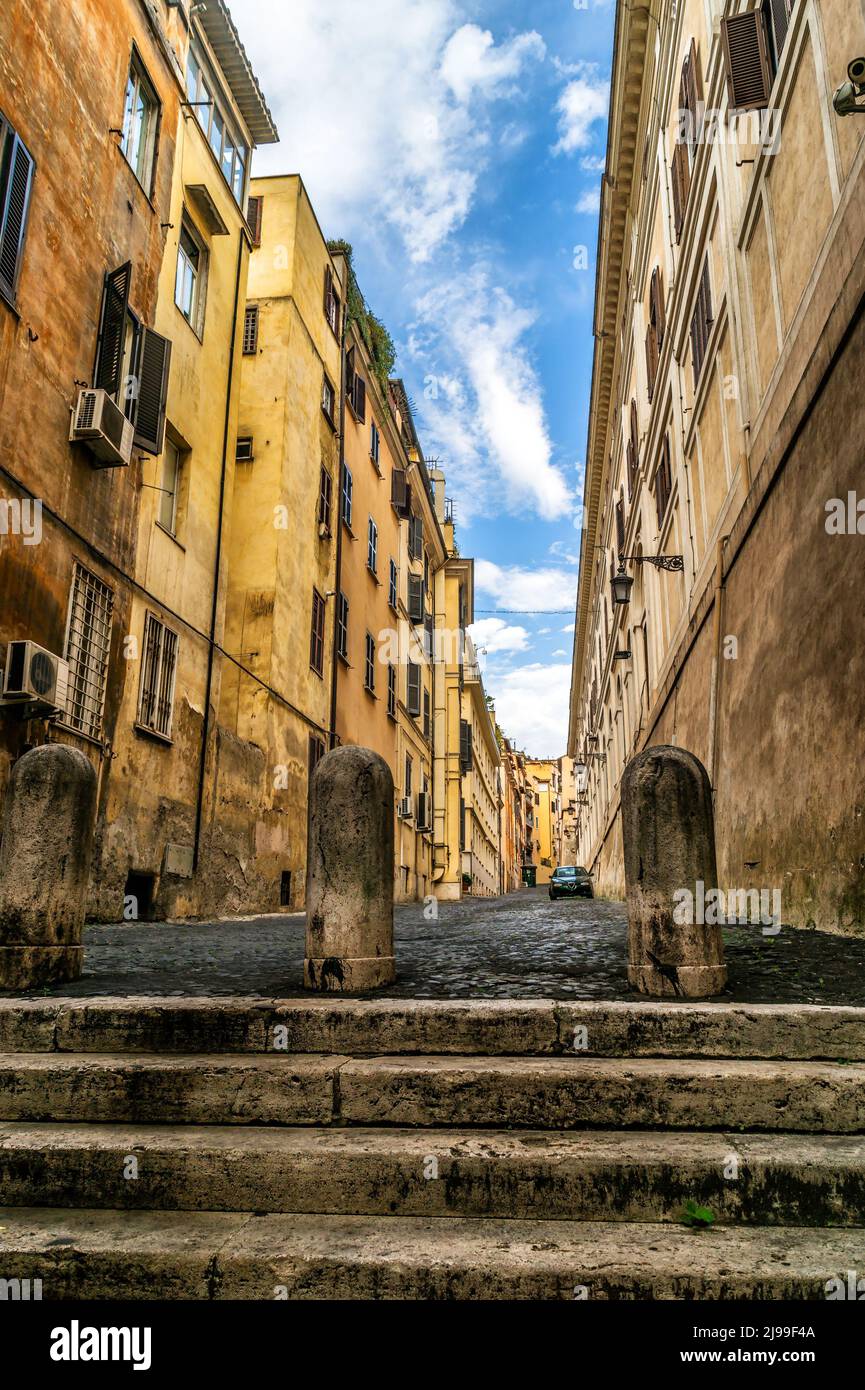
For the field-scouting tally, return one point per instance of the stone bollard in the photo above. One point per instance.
(45, 866)
(669, 847)
(349, 873)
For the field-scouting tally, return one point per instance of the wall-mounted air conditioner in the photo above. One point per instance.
(33, 674)
(102, 426)
(404, 809)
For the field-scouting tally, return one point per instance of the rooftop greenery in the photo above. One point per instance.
(379, 343)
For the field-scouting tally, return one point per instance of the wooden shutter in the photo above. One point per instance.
(694, 92)
(701, 323)
(360, 398)
(465, 746)
(398, 489)
(657, 312)
(652, 358)
(253, 218)
(746, 59)
(413, 689)
(415, 598)
(13, 214)
(681, 185)
(328, 291)
(154, 364)
(112, 329)
(620, 525)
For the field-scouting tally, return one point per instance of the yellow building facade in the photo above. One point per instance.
(481, 804)
(542, 783)
(725, 416)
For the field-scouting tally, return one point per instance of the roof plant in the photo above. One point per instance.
(378, 341)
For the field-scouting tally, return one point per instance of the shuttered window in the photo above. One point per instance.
(701, 323)
(413, 689)
(391, 691)
(777, 15)
(372, 546)
(400, 492)
(347, 494)
(680, 182)
(111, 342)
(254, 207)
(663, 484)
(657, 311)
(154, 365)
(342, 626)
(746, 59)
(16, 184)
(316, 753)
(325, 489)
(466, 754)
(156, 696)
(620, 525)
(415, 537)
(652, 357)
(374, 443)
(328, 400)
(369, 673)
(355, 388)
(132, 362)
(691, 98)
(316, 636)
(392, 591)
(88, 644)
(427, 718)
(331, 300)
(250, 330)
(632, 454)
(415, 598)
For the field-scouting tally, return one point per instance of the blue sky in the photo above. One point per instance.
(458, 144)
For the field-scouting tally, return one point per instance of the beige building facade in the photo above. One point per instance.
(725, 417)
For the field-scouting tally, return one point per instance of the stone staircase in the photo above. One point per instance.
(321, 1148)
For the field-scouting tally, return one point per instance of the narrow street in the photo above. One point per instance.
(519, 946)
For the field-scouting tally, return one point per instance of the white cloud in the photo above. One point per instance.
(589, 201)
(581, 103)
(593, 163)
(495, 635)
(370, 115)
(561, 552)
(569, 627)
(538, 590)
(532, 706)
(492, 429)
(472, 62)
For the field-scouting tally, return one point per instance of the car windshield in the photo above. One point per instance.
(566, 873)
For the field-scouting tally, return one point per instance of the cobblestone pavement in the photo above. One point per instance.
(520, 946)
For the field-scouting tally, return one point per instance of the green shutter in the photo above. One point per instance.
(154, 363)
(112, 329)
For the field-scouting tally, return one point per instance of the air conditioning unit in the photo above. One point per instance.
(404, 810)
(102, 426)
(35, 674)
(423, 811)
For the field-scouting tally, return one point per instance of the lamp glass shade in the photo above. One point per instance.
(621, 584)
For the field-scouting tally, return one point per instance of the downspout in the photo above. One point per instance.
(202, 764)
(340, 472)
(717, 637)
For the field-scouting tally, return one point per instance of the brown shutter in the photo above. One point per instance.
(681, 183)
(398, 489)
(253, 218)
(415, 598)
(112, 329)
(694, 83)
(13, 215)
(328, 291)
(349, 372)
(746, 59)
(155, 361)
(360, 398)
(656, 305)
(652, 356)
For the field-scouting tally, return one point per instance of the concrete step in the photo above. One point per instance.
(600, 1175)
(214, 1255)
(573, 1092)
(463, 1027)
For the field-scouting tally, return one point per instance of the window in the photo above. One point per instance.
(415, 536)
(372, 546)
(415, 598)
(16, 183)
(466, 761)
(327, 399)
(229, 150)
(427, 717)
(132, 362)
(400, 492)
(316, 753)
(172, 462)
(140, 123)
(88, 644)
(243, 452)
(342, 627)
(355, 388)
(393, 585)
(374, 443)
(190, 279)
(347, 491)
(156, 696)
(748, 57)
(776, 16)
(325, 489)
(632, 453)
(701, 323)
(655, 330)
(369, 673)
(413, 689)
(663, 481)
(250, 330)
(620, 524)
(391, 691)
(316, 637)
(254, 207)
(331, 300)
(409, 769)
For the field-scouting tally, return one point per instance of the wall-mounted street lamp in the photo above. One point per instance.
(624, 655)
(622, 583)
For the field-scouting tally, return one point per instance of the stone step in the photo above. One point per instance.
(215, 1255)
(600, 1175)
(574, 1092)
(462, 1027)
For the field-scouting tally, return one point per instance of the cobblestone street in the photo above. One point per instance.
(521, 946)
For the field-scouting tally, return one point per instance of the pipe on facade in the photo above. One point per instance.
(214, 607)
(717, 638)
(332, 739)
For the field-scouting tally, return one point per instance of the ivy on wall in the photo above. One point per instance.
(378, 341)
